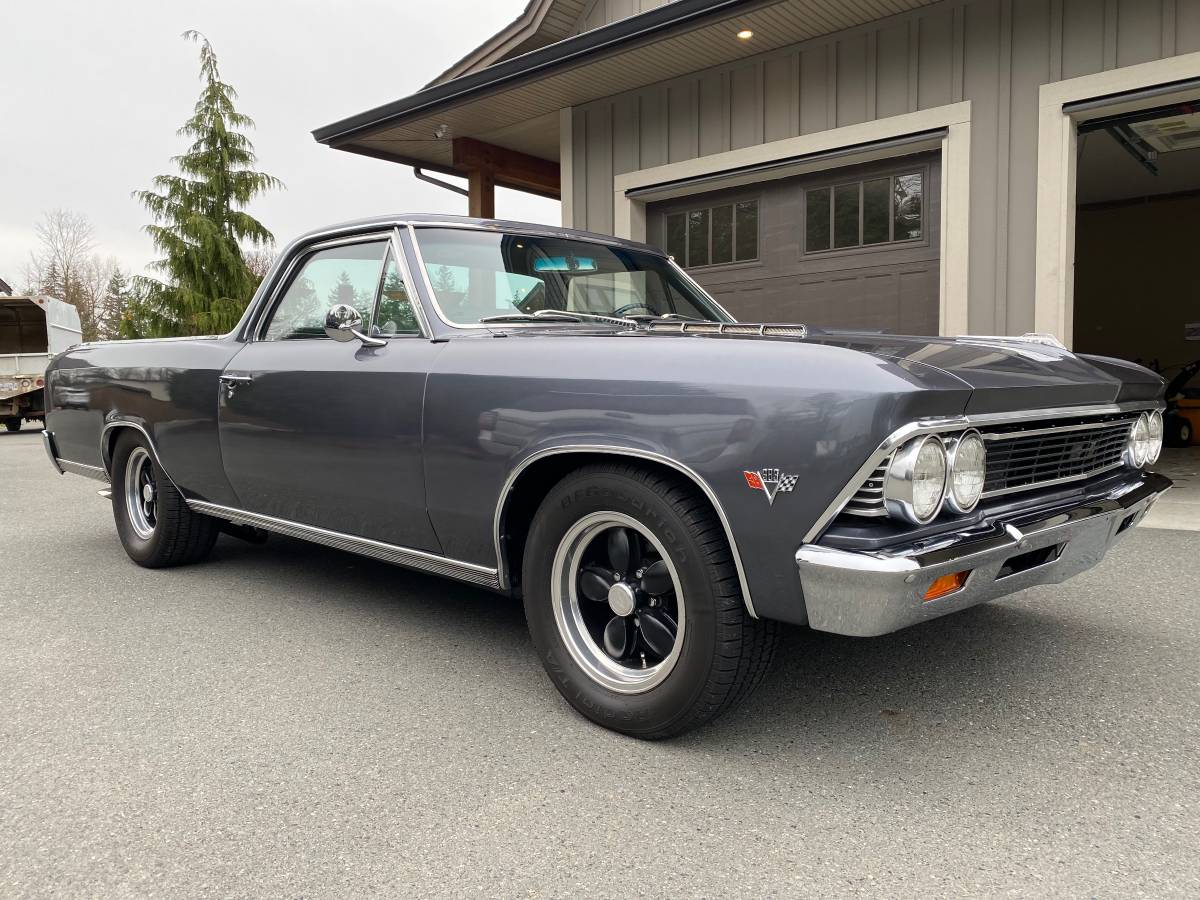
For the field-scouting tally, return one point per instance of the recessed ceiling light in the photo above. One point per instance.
(745, 34)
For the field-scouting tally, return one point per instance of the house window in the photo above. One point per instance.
(882, 210)
(714, 235)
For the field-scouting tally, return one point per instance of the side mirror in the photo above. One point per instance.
(344, 323)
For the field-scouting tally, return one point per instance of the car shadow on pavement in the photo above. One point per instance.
(966, 666)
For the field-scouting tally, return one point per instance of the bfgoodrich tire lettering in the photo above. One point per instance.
(724, 652)
(164, 531)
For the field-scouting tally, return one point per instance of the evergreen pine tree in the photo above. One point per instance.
(199, 218)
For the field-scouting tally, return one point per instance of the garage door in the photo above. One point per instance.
(853, 247)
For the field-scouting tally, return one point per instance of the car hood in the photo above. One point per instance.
(1004, 375)
(994, 375)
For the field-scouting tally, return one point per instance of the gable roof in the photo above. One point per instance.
(515, 103)
(542, 23)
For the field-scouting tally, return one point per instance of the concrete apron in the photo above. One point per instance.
(1178, 508)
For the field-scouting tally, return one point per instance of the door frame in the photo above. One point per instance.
(864, 142)
(1057, 162)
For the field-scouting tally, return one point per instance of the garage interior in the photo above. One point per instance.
(1137, 278)
(1137, 282)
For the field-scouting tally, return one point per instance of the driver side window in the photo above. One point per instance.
(347, 274)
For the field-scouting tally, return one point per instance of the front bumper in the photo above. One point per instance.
(867, 594)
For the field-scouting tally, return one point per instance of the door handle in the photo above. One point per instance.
(232, 382)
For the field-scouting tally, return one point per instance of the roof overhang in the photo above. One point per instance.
(515, 103)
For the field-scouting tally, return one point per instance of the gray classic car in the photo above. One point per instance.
(570, 419)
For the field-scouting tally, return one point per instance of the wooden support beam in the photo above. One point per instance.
(509, 168)
(481, 196)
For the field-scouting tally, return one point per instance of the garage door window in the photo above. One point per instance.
(864, 213)
(714, 235)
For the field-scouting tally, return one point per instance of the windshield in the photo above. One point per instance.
(479, 276)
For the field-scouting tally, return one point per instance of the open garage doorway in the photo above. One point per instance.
(1137, 247)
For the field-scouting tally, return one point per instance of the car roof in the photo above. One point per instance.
(498, 225)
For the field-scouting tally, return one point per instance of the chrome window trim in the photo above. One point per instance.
(467, 226)
(262, 316)
(414, 296)
(392, 553)
(955, 424)
(691, 474)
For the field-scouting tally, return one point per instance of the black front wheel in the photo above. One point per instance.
(13, 424)
(634, 603)
(156, 527)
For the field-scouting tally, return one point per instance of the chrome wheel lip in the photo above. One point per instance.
(141, 505)
(585, 651)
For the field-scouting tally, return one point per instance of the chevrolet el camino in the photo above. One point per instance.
(570, 419)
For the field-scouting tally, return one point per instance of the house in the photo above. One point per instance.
(948, 166)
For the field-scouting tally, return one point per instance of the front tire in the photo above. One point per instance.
(13, 424)
(156, 527)
(634, 604)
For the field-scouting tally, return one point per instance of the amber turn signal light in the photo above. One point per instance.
(946, 584)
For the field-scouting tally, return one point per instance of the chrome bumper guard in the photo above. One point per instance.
(868, 594)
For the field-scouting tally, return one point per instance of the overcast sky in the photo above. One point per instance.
(91, 94)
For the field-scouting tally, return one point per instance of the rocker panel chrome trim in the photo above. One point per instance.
(502, 503)
(401, 556)
(81, 469)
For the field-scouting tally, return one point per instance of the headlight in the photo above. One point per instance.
(968, 471)
(1137, 451)
(1156, 437)
(916, 480)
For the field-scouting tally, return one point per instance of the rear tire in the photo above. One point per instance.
(13, 424)
(656, 686)
(156, 527)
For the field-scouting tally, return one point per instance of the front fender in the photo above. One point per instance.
(493, 406)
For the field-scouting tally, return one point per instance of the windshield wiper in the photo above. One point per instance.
(678, 317)
(558, 315)
(542, 315)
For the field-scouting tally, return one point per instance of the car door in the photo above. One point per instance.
(325, 433)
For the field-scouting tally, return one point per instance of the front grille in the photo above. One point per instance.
(1026, 456)
(1033, 456)
(868, 500)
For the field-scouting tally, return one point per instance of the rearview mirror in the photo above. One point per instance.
(344, 323)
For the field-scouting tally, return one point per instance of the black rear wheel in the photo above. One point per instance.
(13, 423)
(1178, 431)
(634, 603)
(154, 522)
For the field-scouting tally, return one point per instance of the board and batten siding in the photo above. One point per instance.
(604, 12)
(994, 53)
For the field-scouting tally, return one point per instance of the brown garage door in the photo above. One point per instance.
(853, 247)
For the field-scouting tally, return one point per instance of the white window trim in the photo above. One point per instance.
(1058, 136)
(630, 212)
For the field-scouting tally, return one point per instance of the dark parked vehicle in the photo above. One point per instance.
(570, 419)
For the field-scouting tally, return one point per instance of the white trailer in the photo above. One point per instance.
(32, 330)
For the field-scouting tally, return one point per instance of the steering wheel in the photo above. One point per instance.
(632, 306)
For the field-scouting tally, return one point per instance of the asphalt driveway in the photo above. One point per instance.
(288, 720)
